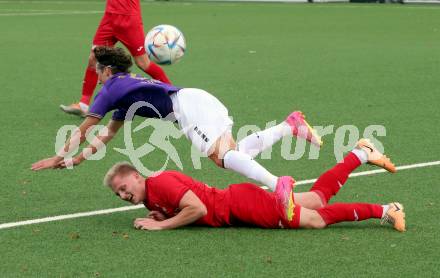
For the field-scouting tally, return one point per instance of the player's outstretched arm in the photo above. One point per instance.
(75, 140)
(104, 136)
(191, 209)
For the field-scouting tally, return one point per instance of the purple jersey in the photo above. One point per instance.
(124, 89)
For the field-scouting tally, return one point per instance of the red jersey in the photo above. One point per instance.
(125, 7)
(165, 191)
(239, 204)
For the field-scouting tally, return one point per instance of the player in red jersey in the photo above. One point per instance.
(122, 21)
(176, 200)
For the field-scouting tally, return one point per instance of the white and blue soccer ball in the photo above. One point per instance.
(165, 44)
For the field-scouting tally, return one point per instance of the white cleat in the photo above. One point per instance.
(74, 109)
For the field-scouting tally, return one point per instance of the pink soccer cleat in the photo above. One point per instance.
(284, 194)
(301, 129)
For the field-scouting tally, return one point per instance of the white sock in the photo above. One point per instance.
(245, 165)
(257, 142)
(361, 154)
(385, 209)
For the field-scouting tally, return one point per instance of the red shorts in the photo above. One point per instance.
(128, 29)
(252, 206)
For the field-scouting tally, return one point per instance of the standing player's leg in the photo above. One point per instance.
(150, 68)
(295, 124)
(342, 212)
(131, 34)
(103, 37)
(90, 80)
(329, 183)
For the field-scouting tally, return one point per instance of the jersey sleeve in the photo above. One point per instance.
(169, 188)
(119, 115)
(102, 104)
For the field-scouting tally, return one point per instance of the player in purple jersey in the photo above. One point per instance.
(202, 118)
(122, 90)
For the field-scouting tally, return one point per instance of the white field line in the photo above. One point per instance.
(26, 10)
(51, 13)
(36, 10)
(373, 172)
(48, 2)
(108, 211)
(356, 6)
(68, 216)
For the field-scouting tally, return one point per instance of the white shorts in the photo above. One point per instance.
(201, 117)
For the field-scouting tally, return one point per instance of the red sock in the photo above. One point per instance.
(331, 181)
(89, 85)
(157, 73)
(340, 212)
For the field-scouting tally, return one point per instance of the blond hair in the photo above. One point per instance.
(120, 168)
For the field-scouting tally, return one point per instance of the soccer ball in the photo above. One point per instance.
(165, 44)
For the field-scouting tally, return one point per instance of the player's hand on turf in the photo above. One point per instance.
(156, 215)
(68, 163)
(147, 224)
(48, 163)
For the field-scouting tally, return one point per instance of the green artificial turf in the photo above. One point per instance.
(341, 64)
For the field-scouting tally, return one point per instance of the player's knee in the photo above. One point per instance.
(315, 225)
(312, 219)
(318, 224)
(220, 148)
(316, 201)
(218, 161)
(317, 221)
(317, 204)
(221, 156)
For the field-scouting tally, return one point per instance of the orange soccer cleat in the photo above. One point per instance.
(395, 216)
(375, 157)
